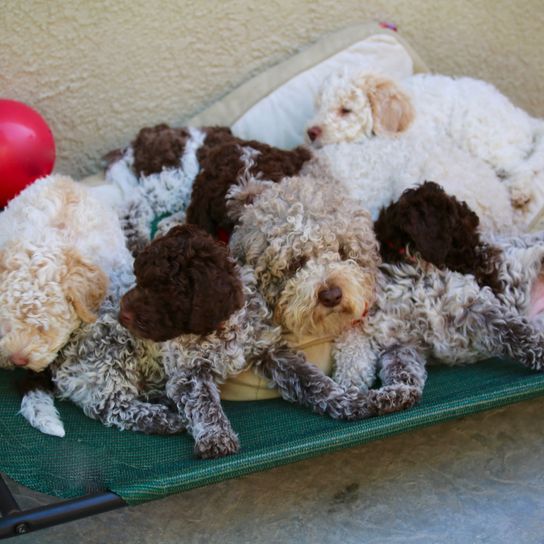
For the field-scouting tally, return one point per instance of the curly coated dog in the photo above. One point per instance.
(174, 275)
(186, 172)
(315, 258)
(379, 139)
(444, 231)
(316, 268)
(58, 248)
(111, 375)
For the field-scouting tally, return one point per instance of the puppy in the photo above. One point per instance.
(366, 134)
(444, 231)
(316, 267)
(304, 239)
(186, 172)
(217, 324)
(58, 248)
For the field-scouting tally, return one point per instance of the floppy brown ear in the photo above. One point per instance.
(85, 286)
(392, 109)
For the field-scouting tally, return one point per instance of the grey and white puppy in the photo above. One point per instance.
(183, 279)
(315, 257)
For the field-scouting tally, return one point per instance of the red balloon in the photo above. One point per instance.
(27, 148)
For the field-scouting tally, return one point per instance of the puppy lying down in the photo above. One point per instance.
(186, 283)
(315, 260)
(58, 248)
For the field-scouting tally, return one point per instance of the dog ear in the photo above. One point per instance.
(85, 286)
(392, 109)
(360, 244)
(430, 231)
(217, 295)
(244, 194)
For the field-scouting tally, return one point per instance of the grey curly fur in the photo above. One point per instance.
(417, 312)
(195, 365)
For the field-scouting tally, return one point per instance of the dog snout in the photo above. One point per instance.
(330, 297)
(314, 133)
(19, 360)
(126, 317)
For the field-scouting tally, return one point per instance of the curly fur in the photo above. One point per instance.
(297, 251)
(111, 375)
(444, 231)
(427, 136)
(247, 338)
(186, 282)
(236, 162)
(419, 312)
(58, 248)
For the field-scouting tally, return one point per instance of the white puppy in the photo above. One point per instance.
(58, 247)
(380, 137)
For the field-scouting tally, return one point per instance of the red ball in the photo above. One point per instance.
(27, 148)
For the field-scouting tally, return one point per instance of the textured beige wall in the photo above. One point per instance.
(100, 70)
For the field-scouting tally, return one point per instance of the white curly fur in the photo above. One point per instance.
(148, 198)
(380, 137)
(58, 247)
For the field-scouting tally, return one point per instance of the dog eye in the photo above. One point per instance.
(297, 264)
(344, 253)
(345, 111)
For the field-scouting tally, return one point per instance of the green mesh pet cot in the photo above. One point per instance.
(95, 469)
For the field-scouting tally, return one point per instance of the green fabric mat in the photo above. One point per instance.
(141, 468)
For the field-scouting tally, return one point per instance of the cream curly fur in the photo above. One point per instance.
(380, 137)
(297, 250)
(58, 246)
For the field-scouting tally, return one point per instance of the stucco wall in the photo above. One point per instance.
(98, 70)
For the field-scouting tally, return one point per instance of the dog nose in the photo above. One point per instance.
(314, 133)
(126, 317)
(19, 360)
(330, 297)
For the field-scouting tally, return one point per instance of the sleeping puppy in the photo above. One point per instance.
(215, 324)
(59, 248)
(443, 230)
(187, 172)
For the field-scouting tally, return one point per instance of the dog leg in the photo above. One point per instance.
(135, 217)
(302, 382)
(354, 360)
(196, 395)
(38, 408)
(403, 377)
(125, 412)
(503, 334)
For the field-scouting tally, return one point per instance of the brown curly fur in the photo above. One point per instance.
(162, 146)
(221, 167)
(186, 283)
(158, 147)
(443, 230)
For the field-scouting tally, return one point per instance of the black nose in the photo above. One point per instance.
(314, 133)
(330, 297)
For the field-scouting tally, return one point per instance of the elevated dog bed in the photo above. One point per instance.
(95, 468)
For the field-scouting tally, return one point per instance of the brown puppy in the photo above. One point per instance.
(439, 227)
(234, 162)
(186, 283)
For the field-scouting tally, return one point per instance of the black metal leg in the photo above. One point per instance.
(16, 522)
(8, 504)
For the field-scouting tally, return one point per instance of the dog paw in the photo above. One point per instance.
(214, 445)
